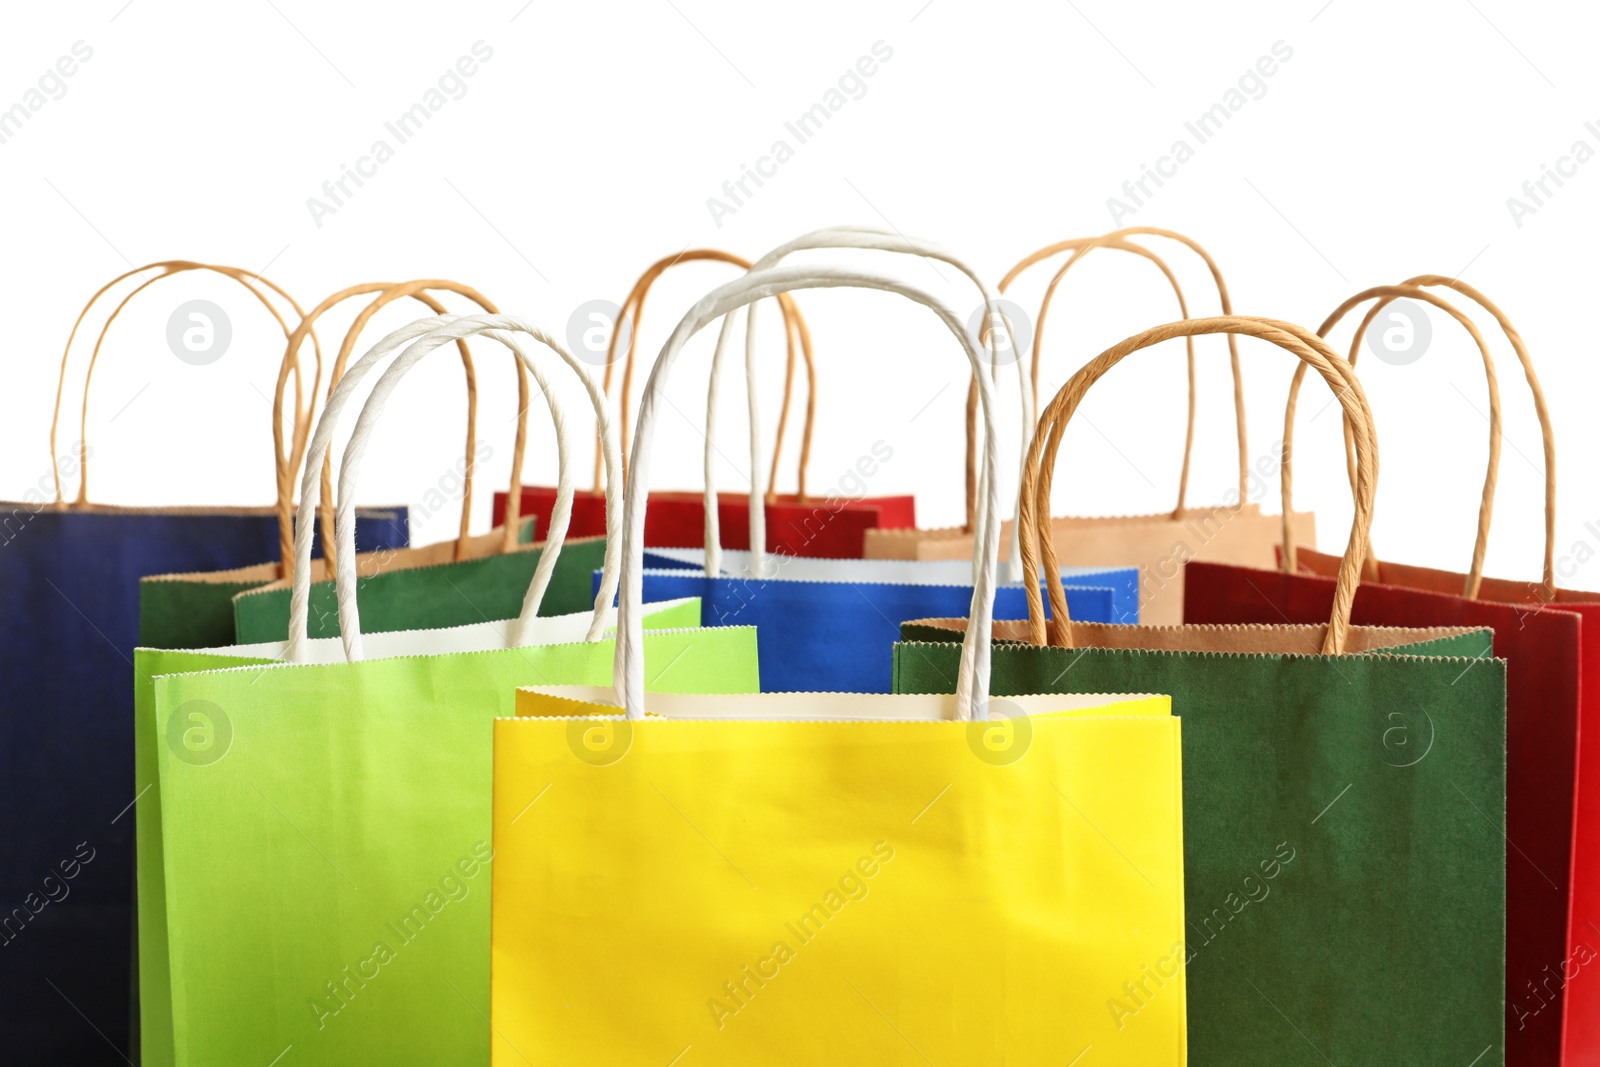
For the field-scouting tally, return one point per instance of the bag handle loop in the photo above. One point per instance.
(796, 334)
(628, 673)
(421, 291)
(422, 337)
(1414, 288)
(1042, 457)
(838, 237)
(168, 268)
(1082, 246)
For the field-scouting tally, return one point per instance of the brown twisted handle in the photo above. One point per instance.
(1039, 469)
(1383, 295)
(1412, 288)
(796, 334)
(1080, 247)
(168, 268)
(347, 348)
(289, 463)
(289, 468)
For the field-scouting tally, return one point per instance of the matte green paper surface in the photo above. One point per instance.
(458, 593)
(1343, 823)
(313, 842)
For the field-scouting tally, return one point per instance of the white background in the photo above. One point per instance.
(588, 146)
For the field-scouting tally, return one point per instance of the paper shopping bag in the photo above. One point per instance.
(770, 878)
(797, 525)
(1158, 544)
(782, 925)
(831, 624)
(1344, 792)
(1235, 531)
(193, 748)
(1546, 636)
(322, 797)
(195, 609)
(1121, 583)
(414, 591)
(69, 586)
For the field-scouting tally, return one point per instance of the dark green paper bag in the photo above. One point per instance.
(418, 590)
(1343, 796)
(195, 610)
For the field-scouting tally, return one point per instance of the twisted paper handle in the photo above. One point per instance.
(168, 268)
(1080, 247)
(1042, 455)
(288, 469)
(837, 237)
(972, 684)
(1414, 288)
(423, 337)
(796, 334)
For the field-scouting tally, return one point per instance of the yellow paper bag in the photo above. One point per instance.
(802, 891)
(817, 878)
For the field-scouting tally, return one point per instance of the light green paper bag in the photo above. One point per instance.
(324, 823)
(247, 755)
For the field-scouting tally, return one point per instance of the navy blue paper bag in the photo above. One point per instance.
(69, 621)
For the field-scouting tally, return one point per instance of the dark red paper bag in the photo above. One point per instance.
(795, 527)
(1553, 724)
(831, 527)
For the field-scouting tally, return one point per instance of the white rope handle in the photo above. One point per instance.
(355, 450)
(713, 518)
(972, 683)
(434, 332)
(854, 237)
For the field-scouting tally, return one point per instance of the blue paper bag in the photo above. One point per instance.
(831, 625)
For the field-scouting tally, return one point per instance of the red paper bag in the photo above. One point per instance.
(794, 527)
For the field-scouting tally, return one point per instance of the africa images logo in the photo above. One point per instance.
(1407, 738)
(199, 733)
(600, 742)
(1000, 732)
(199, 332)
